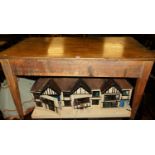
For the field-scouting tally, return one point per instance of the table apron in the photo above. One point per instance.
(77, 67)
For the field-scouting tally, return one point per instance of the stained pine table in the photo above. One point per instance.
(121, 57)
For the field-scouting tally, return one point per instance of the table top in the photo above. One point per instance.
(117, 48)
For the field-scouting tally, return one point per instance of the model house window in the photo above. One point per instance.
(110, 104)
(96, 93)
(125, 93)
(95, 102)
(110, 97)
(67, 103)
(81, 101)
(49, 104)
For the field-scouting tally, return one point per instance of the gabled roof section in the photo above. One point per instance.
(81, 83)
(124, 84)
(54, 86)
(108, 83)
(43, 83)
(94, 83)
(65, 84)
(40, 84)
(70, 85)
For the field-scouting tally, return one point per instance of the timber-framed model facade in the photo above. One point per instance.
(56, 94)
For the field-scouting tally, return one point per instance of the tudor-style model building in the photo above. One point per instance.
(80, 93)
(116, 92)
(46, 93)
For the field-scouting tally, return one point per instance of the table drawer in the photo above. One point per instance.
(77, 67)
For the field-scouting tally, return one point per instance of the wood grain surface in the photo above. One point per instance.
(76, 47)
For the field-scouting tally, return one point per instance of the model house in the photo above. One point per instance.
(116, 92)
(80, 93)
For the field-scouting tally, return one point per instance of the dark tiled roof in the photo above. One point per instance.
(40, 84)
(81, 83)
(124, 84)
(65, 84)
(108, 84)
(43, 83)
(69, 85)
(94, 83)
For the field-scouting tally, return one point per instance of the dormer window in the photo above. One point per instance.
(96, 93)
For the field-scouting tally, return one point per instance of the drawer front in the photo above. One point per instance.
(77, 67)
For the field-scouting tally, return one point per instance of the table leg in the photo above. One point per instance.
(13, 86)
(140, 86)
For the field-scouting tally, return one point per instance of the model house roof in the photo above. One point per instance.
(124, 84)
(117, 83)
(65, 84)
(69, 85)
(40, 84)
(43, 83)
(108, 83)
(81, 83)
(94, 83)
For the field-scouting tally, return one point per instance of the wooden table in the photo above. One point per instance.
(83, 57)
